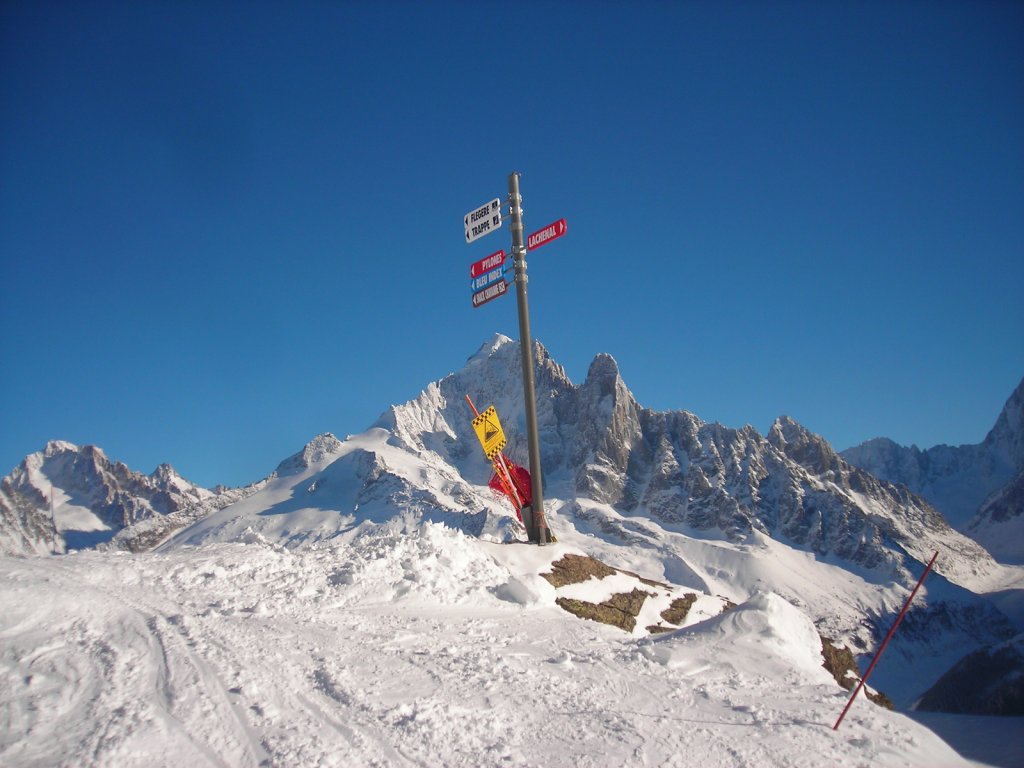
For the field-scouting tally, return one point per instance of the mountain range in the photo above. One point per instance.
(70, 497)
(727, 512)
(978, 488)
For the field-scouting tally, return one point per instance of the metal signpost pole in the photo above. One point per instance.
(536, 526)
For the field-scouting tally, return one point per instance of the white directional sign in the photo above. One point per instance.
(483, 220)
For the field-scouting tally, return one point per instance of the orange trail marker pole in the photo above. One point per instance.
(885, 642)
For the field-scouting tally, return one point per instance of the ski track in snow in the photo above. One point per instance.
(421, 649)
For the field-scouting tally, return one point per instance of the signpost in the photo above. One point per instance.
(483, 220)
(547, 234)
(487, 281)
(533, 516)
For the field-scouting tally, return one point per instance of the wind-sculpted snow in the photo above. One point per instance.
(765, 627)
(400, 648)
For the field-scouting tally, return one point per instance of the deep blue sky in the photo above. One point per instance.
(226, 227)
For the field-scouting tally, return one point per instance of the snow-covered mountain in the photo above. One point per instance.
(972, 485)
(712, 508)
(599, 444)
(363, 603)
(92, 499)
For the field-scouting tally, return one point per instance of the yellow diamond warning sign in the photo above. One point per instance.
(488, 431)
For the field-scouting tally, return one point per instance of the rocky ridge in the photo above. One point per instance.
(670, 465)
(978, 488)
(92, 499)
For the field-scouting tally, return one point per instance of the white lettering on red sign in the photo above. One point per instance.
(540, 237)
(486, 264)
(548, 233)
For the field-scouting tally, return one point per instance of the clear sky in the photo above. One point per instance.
(227, 227)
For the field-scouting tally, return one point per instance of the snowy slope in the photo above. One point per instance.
(366, 478)
(400, 647)
(723, 512)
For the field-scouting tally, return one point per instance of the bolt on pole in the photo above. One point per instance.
(536, 524)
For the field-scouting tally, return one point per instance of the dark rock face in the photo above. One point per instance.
(987, 682)
(842, 665)
(25, 524)
(999, 524)
(619, 610)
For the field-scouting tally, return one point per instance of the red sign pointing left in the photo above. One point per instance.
(486, 264)
(547, 234)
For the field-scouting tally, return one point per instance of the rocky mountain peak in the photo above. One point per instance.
(54, 447)
(489, 347)
(798, 443)
(94, 498)
(318, 449)
(605, 387)
(608, 427)
(1007, 436)
(603, 370)
(782, 430)
(164, 473)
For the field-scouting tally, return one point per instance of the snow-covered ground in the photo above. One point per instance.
(339, 614)
(401, 645)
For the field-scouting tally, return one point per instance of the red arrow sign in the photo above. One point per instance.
(486, 264)
(546, 235)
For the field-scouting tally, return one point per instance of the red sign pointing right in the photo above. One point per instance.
(547, 234)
